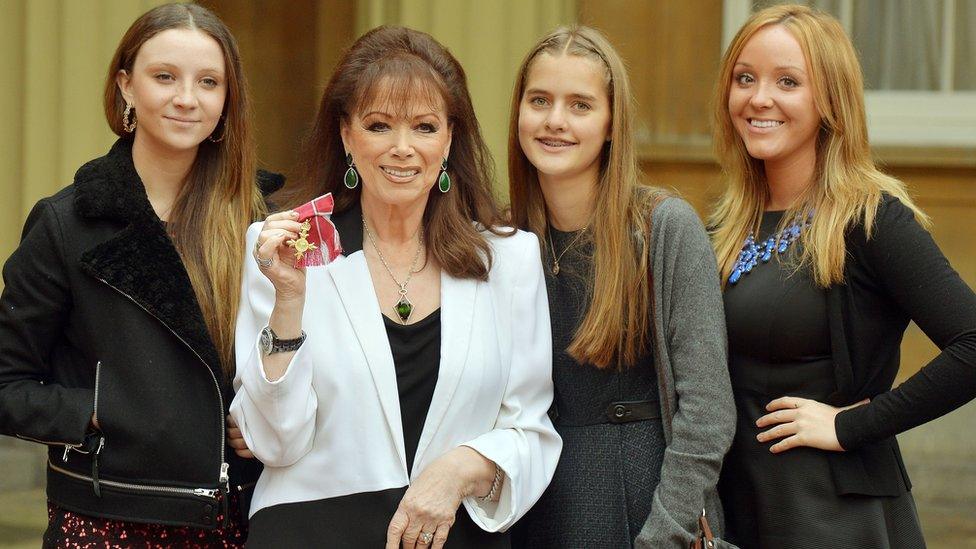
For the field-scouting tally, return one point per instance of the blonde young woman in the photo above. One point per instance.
(642, 395)
(825, 261)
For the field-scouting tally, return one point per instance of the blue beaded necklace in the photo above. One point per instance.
(752, 253)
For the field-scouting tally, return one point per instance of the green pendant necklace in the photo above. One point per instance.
(402, 307)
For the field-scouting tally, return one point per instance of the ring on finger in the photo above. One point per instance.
(425, 538)
(262, 263)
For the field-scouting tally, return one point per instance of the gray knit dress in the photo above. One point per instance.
(601, 493)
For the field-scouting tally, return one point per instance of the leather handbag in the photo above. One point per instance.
(704, 539)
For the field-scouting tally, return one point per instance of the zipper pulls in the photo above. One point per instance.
(205, 492)
(94, 465)
(225, 490)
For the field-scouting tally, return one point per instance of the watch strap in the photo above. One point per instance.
(279, 345)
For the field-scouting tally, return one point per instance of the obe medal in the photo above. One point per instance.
(302, 244)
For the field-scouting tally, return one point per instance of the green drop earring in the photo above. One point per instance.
(444, 179)
(351, 179)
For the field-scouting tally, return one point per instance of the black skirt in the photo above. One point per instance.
(788, 500)
(356, 521)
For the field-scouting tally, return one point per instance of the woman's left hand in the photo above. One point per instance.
(235, 439)
(431, 502)
(803, 422)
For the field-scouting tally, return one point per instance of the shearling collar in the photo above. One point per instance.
(109, 187)
(139, 261)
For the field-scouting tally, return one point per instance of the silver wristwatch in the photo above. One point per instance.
(270, 343)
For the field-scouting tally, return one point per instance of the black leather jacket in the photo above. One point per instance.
(98, 316)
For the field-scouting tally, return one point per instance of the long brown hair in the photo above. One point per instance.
(847, 185)
(615, 331)
(392, 64)
(220, 197)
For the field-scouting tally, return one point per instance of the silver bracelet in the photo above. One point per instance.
(495, 485)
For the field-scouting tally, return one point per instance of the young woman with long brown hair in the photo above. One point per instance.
(825, 260)
(642, 396)
(119, 304)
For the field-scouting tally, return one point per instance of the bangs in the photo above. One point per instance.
(400, 85)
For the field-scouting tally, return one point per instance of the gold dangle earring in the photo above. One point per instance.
(126, 125)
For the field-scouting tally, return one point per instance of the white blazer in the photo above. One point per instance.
(331, 425)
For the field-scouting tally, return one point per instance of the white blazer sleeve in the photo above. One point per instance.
(523, 443)
(277, 418)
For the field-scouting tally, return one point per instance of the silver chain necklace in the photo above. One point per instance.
(552, 246)
(403, 308)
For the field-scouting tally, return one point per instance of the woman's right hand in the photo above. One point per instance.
(288, 280)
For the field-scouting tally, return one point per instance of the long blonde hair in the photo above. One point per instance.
(847, 185)
(614, 331)
(220, 197)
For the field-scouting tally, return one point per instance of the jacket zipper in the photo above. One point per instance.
(223, 476)
(101, 438)
(98, 373)
(68, 446)
(94, 465)
(48, 442)
(202, 492)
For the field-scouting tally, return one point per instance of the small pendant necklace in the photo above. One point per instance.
(552, 246)
(402, 307)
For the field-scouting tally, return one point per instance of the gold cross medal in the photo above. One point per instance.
(302, 245)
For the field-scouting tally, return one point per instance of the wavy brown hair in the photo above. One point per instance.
(399, 66)
(616, 329)
(847, 186)
(220, 196)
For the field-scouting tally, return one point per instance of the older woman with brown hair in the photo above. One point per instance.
(413, 374)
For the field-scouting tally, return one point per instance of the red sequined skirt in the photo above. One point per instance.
(69, 530)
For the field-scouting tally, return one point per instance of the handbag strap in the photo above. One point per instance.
(704, 539)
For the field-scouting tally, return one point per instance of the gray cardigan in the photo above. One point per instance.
(690, 356)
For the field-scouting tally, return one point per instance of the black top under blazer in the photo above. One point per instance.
(98, 316)
(896, 276)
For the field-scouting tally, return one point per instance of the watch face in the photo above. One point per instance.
(266, 340)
